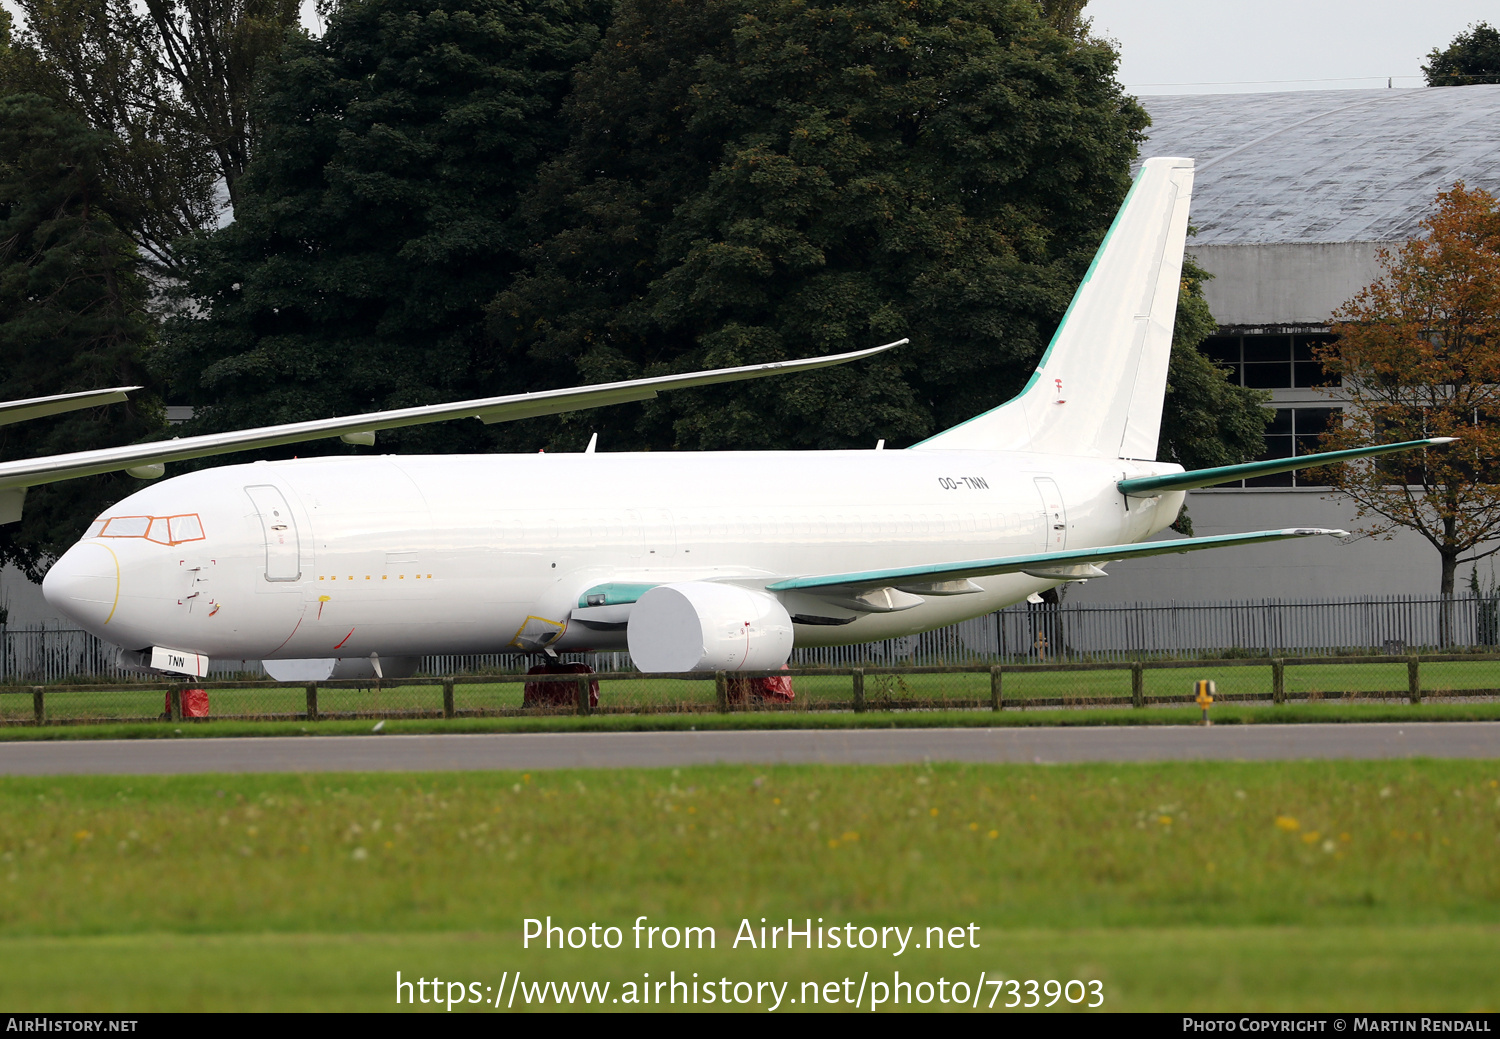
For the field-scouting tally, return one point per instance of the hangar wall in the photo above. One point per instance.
(1314, 568)
(1284, 284)
(23, 601)
(1295, 193)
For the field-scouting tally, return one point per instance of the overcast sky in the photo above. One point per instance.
(1237, 46)
(1218, 46)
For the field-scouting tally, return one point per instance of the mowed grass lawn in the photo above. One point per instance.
(1319, 680)
(1305, 885)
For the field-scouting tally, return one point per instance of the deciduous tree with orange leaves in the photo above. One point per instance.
(1418, 353)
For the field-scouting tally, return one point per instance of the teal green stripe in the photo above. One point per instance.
(615, 593)
(1151, 485)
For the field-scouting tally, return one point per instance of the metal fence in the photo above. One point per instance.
(1039, 633)
(43, 653)
(1137, 684)
(1155, 630)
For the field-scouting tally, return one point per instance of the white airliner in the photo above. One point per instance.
(347, 566)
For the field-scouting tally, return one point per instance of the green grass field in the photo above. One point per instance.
(1307, 886)
(1334, 681)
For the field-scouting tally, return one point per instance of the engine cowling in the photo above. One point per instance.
(698, 626)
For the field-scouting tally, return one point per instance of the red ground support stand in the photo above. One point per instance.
(557, 694)
(777, 689)
(194, 704)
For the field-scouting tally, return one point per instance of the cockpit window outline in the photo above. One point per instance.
(164, 530)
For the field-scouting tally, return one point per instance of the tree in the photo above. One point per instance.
(72, 315)
(1472, 57)
(1418, 351)
(378, 218)
(170, 84)
(1066, 16)
(211, 51)
(753, 181)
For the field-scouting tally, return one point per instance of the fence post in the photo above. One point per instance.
(175, 697)
(583, 696)
(38, 706)
(997, 702)
(1278, 681)
(1413, 680)
(447, 698)
(859, 690)
(1137, 685)
(721, 691)
(312, 701)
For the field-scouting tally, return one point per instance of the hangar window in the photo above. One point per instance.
(1269, 362)
(1292, 433)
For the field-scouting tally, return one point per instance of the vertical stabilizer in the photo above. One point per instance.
(1099, 388)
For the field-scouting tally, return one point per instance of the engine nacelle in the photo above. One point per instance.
(698, 626)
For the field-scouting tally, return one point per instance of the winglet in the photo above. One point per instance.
(38, 407)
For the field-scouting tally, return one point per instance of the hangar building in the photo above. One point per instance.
(1293, 195)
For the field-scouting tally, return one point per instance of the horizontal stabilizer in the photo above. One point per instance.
(1150, 486)
(33, 471)
(39, 407)
(1041, 560)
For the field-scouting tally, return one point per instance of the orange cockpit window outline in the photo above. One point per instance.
(159, 529)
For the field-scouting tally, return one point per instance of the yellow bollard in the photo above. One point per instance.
(1205, 698)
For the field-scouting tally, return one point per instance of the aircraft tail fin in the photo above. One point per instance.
(1099, 388)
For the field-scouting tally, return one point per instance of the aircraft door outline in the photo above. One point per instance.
(279, 527)
(1054, 515)
(651, 533)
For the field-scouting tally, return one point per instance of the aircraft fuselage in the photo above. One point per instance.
(413, 555)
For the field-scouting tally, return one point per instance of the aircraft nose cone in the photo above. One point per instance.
(84, 585)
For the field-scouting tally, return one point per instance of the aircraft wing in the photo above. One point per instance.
(38, 407)
(1072, 564)
(1150, 486)
(17, 475)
